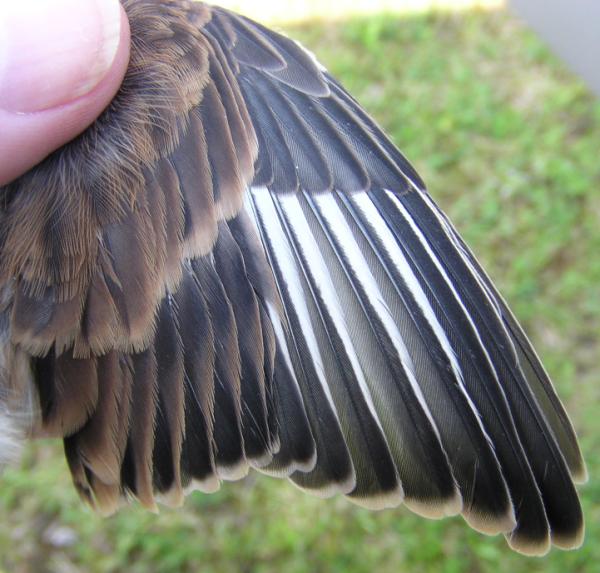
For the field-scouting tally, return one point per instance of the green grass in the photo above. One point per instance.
(508, 143)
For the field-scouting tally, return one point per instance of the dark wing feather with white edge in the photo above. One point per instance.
(254, 276)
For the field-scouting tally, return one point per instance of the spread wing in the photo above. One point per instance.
(235, 268)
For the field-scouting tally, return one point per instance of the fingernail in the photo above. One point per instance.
(54, 51)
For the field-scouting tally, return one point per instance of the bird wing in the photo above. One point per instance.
(234, 267)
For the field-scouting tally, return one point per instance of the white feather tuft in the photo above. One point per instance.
(16, 402)
(12, 437)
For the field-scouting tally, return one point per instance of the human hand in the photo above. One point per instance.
(61, 62)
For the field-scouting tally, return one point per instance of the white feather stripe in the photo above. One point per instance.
(301, 352)
(280, 336)
(384, 384)
(525, 395)
(395, 254)
(282, 347)
(508, 350)
(544, 392)
(284, 257)
(434, 259)
(363, 431)
(400, 271)
(538, 381)
(359, 268)
(326, 292)
(451, 234)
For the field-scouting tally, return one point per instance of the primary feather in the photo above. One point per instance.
(234, 268)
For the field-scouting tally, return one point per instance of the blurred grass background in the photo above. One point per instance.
(508, 142)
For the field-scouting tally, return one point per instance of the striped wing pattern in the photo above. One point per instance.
(262, 281)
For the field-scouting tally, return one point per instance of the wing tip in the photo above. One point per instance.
(489, 524)
(173, 498)
(579, 473)
(437, 508)
(286, 470)
(525, 544)
(382, 500)
(233, 472)
(209, 484)
(331, 488)
(261, 461)
(570, 541)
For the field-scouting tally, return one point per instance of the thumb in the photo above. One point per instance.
(61, 62)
